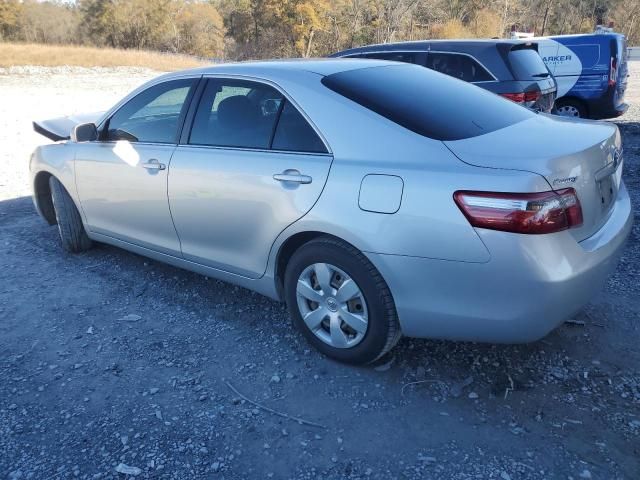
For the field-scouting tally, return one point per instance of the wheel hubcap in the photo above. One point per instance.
(332, 305)
(568, 111)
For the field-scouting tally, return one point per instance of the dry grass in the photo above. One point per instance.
(19, 54)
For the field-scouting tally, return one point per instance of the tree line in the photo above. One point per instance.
(243, 29)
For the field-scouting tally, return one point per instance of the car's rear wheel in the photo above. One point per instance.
(570, 108)
(340, 302)
(73, 236)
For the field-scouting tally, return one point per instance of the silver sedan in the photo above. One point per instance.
(377, 199)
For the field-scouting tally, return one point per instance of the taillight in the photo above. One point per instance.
(613, 71)
(531, 213)
(532, 96)
(514, 97)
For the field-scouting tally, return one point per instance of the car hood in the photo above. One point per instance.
(60, 128)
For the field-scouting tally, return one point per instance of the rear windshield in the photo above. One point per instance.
(426, 102)
(526, 64)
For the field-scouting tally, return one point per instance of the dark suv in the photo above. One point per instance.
(511, 68)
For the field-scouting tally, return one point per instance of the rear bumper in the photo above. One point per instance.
(530, 286)
(599, 111)
(609, 105)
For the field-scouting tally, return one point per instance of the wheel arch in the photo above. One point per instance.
(42, 196)
(288, 248)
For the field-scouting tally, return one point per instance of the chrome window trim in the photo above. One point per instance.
(154, 144)
(255, 150)
(287, 97)
(495, 79)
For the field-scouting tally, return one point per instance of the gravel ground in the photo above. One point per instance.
(113, 365)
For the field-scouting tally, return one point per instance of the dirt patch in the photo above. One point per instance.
(110, 362)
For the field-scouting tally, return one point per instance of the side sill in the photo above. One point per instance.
(265, 286)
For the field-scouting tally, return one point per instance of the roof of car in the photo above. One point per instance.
(419, 45)
(320, 66)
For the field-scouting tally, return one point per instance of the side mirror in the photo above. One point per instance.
(85, 132)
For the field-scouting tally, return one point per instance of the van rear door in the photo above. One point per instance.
(619, 52)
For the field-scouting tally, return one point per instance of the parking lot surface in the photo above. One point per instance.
(115, 366)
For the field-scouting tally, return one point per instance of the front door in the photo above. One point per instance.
(251, 166)
(122, 177)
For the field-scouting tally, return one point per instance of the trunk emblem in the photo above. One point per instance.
(617, 157)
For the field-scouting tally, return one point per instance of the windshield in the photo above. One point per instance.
(526, 64)
(427, 102)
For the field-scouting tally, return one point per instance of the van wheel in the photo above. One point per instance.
(73, 236)
(570, 108)
(340, 302)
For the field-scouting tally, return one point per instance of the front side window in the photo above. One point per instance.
(458, 66)
(151, 116)
(236, 113)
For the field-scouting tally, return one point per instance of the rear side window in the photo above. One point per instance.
(293, 133)
(406, 57)
(526, 64)
(458, 66)
(236, 113)
(426, 102)
(245, 114)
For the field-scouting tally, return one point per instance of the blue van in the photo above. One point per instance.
(591, 72)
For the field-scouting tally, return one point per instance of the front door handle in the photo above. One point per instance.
(154, 164)
(293, 176)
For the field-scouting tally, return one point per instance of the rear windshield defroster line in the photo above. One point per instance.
(426, 102)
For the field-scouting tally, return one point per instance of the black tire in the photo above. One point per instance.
(383, 329)
(73, 236)
(571, 108)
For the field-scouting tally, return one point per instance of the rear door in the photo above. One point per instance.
(251, 165)
(621, 73)
(122, 177)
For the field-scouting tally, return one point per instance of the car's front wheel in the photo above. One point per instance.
(340, 302)
(70, 228)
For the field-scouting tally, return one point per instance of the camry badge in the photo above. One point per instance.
(617, 157)
(564, 181)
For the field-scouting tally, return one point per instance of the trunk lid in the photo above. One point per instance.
(583, 155)
(60, 128)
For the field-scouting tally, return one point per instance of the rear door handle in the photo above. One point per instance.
(292, 176)
(154, 164)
